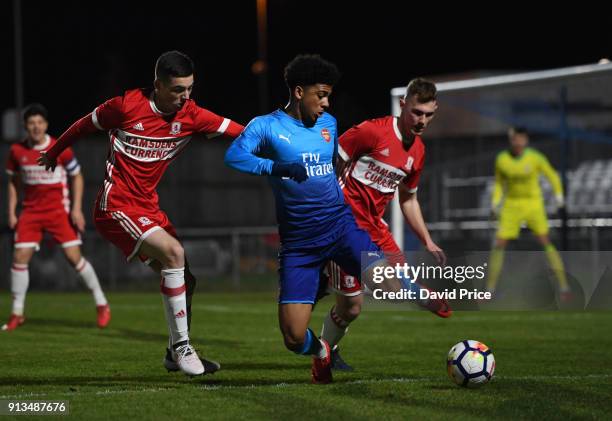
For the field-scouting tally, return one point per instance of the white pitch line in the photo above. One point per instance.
(491, 317)
(291, 385)
(200, 307)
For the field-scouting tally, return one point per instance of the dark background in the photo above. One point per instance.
(78, 54)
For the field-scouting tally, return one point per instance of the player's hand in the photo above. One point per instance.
(293, 171)
(560, 202)
(437, 253)
(44, 161)
(12, 221)
(494, 214)
(77, 218)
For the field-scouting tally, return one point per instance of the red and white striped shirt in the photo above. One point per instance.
(379, 162)
(143, 142)
(44, 191)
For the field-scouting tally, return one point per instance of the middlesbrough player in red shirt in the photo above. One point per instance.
(376, 158)
(46, 207)
(147, 130)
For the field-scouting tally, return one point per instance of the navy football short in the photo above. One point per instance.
(300, 267)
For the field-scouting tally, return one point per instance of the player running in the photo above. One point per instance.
(517, 173)
(46, 207)
(148, 128)
(377, 158)
(296, 147)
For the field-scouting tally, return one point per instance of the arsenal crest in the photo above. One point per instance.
(326, 135)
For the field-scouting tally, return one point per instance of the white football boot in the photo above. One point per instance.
(188, 361)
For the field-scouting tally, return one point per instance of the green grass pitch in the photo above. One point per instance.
(550, 365)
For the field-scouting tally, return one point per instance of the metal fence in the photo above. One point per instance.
(245, 258)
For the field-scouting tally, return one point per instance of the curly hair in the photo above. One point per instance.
(310, 69)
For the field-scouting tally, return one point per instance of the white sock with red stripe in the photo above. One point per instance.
(20, 279)
(334, 328)
(87, 273)
(175, 303)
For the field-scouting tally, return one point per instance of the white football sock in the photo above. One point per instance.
(175, 303)
(87, 273)
(20, 279)
(334, 328)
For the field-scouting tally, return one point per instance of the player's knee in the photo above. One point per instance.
(349, 311)
(294, 341)
(352, 312)
(501, 243)
(22, 256)
(175, 255)
(543, 240)
(74, 259)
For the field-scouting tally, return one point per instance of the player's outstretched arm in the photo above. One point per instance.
(82, 127)
(105, 117)
(213, 125)
(412, 212)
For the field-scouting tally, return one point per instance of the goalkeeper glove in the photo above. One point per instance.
(494, 212)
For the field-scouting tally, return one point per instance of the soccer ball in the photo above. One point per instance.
(470, 363)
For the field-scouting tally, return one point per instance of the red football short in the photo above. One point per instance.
(31, 225)
(128, 228)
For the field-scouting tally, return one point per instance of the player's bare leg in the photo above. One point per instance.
(20, 279)
(293, 321)
(87, 274)
(166, 249)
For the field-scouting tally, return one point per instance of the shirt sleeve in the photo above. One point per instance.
(68, 160)
(498, 186)
(108, 115)
(412, 180)
(12, 163)
(242, 153)
(550, 173)
(214, 125)
(356, 141)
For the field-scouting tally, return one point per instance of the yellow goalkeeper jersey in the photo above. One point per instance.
(518, 177)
